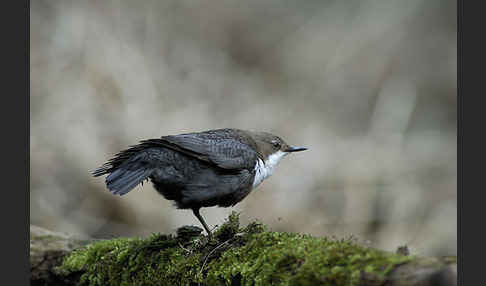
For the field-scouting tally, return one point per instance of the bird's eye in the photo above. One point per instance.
(276, 144)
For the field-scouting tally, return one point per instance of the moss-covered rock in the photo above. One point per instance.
(236, 256)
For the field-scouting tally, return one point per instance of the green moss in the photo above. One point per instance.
(246, 256)
(132, 261)
(230, 228)
(294, 259)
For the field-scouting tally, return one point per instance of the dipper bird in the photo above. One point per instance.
(203, 169)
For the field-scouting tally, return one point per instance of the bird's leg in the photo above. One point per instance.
(199, 217)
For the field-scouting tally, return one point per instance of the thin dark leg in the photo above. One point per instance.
(199, 217)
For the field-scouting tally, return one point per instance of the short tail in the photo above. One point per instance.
(125, 172)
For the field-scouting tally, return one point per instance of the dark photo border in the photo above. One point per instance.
(471, 142)
(15, 143)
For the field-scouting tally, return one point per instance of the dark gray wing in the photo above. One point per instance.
(224, 152)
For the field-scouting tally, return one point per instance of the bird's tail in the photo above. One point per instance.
(125, 171)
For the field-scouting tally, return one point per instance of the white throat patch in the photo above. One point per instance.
(265, 169)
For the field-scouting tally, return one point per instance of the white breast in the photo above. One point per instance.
(265, 169)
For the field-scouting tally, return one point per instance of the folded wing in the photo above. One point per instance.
(225, 153)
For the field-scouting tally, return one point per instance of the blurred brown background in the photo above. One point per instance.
(368, 86)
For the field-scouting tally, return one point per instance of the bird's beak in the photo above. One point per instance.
(295, 149)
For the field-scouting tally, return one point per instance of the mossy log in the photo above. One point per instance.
(235, 256)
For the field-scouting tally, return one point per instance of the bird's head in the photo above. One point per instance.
(272, 147)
